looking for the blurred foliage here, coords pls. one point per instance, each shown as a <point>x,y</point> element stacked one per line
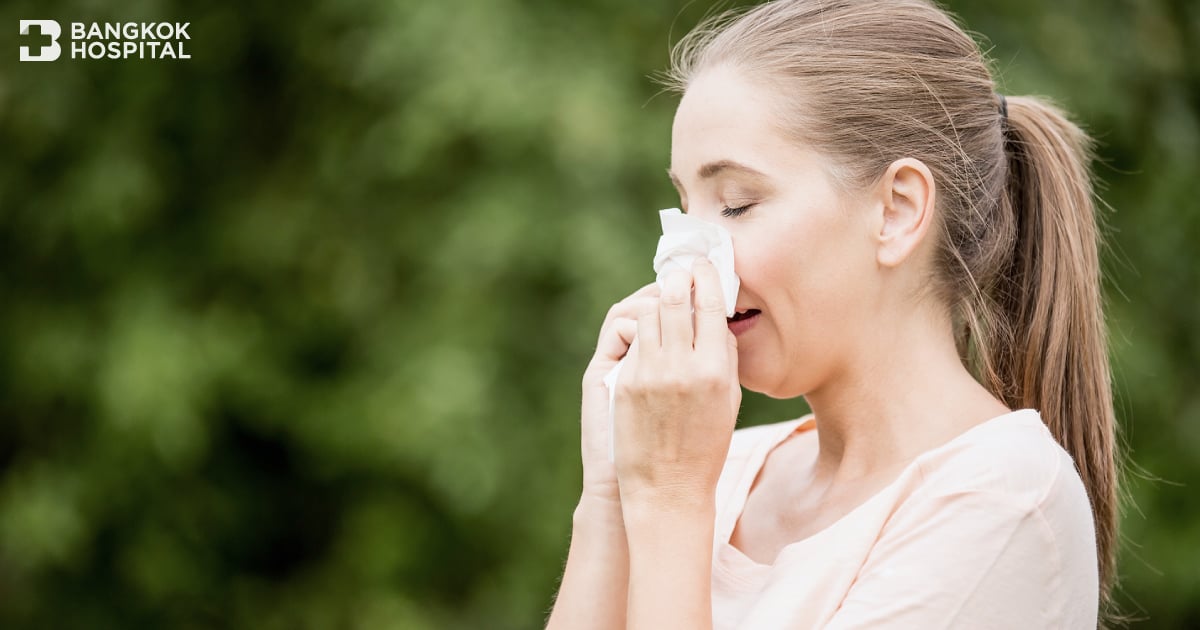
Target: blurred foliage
<point>291,333</point>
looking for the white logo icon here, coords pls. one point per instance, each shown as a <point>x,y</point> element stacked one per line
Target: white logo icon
<point>42,51</point>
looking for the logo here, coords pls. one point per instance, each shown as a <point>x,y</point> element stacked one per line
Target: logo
<point>107,40</point>
<point>45,51</point>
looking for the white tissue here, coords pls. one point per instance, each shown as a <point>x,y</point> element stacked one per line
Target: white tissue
<point>687,238</point>
<point>684,240</point>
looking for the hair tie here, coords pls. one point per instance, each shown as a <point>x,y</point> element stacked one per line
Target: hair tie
<point>1003,108</point>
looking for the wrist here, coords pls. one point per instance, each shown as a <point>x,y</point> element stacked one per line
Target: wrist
<point>668,499</point>
<point>675,523</point>
<point>653,506</point>
<point>600,487</point>
<point>600,509</point>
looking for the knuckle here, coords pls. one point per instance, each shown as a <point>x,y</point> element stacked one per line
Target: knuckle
<point>627,308</point>
<point>612,313</point>
<point>641,388</point>
<point>674,384</point>
<point>655,382</point>
<point>680,376</point>
<point>710,375</point>
<point>710,303</point>
<point>643,305</point>
<point>674,299</point>
<point>648,289</point>
<point>711,380</point>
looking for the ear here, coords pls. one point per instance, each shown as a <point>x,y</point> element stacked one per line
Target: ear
<point>907,195</point>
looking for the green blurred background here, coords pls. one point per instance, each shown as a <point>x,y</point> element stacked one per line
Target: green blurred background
<point>291,333</point>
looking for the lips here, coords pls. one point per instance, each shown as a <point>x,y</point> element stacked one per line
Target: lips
<point>746,314</point>
<point>743,321</point>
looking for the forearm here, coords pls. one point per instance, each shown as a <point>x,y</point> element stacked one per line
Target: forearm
<point>595,582</point>
<point>670,565</point>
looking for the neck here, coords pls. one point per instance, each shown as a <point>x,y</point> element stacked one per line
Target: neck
<point>903,392</point>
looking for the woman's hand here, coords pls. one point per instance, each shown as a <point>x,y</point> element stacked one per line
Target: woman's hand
<point>616,334</point>
<point>595,586</point>
<point>678,394</point>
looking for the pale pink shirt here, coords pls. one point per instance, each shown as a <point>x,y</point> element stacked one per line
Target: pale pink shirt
<point>991,530</point>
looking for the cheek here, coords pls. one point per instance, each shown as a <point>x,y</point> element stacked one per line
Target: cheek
<point>775,279</point>
<point>802,280</point>
<point>763,267</point>
<point>773,263</point>
<point>796,281</point>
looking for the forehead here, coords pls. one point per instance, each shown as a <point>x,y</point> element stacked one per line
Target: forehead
<point>722,116</point>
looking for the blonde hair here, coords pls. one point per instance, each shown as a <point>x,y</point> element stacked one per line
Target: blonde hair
<point>1017,257</point>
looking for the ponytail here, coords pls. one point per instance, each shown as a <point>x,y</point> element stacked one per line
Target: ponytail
<point>1046,348</point>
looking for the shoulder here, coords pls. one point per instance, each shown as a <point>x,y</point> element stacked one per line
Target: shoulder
<point>1011,467</point>
<point>1013,457</point>
<point>1004,504</point>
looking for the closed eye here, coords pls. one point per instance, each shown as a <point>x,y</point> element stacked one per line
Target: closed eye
<point>734,212</point>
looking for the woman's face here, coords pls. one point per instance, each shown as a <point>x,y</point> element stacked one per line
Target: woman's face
<point>802,249</point>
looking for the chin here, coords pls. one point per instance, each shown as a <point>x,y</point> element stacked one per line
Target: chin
<point>760,383</point>
<point>769,383</point>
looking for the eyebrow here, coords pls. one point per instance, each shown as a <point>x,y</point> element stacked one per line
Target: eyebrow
<point>712,169</point>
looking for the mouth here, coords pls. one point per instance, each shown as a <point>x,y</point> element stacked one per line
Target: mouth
<point>740,315</point>
<point>742,321</point>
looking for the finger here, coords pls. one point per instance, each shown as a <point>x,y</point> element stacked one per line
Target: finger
<point>635,349</point>
<point>632,308</point>
<point>711,325</point>
<point>617,428</point>
<point>648,291</point>
<point>616,338</point>
<point>675,312</point>
<point>651,289</point>
<point>626,330</point>
<point>648,332</point>
<point>632,359</point>
<point>629,308</point>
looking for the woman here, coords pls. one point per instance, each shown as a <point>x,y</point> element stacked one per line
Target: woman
<point>918,259</point>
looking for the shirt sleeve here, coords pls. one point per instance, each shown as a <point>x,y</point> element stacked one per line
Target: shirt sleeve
<point>964,559</point>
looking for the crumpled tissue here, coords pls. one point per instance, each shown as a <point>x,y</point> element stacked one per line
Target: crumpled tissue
<point>684,239</point>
